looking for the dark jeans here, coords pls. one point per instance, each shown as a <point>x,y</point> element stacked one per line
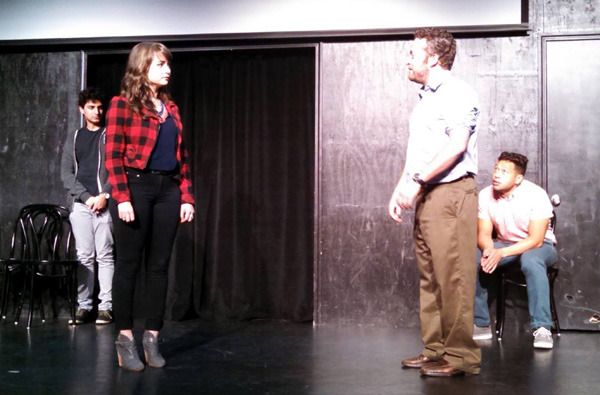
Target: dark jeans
<point>156,204</point>
<point>534,265</point>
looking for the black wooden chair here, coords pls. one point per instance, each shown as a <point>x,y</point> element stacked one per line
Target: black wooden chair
<point>48,259</point>
<point>13,265</point>
<point>511,275</point>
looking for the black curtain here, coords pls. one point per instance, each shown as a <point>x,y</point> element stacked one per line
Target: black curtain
<point>249,124</point>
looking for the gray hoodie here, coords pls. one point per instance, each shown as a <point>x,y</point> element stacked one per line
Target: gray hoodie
<point>68,168</point>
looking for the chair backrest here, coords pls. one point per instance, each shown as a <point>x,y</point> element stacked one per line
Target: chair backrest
<point>42,233</point>
<point>19,242</point>
<point>555,200</point>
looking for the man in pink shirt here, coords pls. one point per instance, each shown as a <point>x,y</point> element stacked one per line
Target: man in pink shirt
<point>519,212</point>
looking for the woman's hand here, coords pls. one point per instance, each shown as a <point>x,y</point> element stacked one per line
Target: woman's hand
<point>186,212</point>
<point>126,212</point>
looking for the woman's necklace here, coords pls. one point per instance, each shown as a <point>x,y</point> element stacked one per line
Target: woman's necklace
<point>161,110</point>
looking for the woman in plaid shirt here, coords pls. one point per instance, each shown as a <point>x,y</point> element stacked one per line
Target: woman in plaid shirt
<point>151,194</point>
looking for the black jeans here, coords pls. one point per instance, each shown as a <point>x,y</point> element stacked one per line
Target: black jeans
<point>156,201</point>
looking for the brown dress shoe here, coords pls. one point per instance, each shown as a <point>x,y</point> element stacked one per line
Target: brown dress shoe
<point>420,361</point>
<point>441,370</point>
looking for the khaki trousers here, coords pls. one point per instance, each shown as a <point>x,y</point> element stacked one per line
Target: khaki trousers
<point>445,244</point>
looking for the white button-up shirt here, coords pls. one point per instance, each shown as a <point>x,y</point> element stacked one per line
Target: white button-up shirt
<point>449,105</point>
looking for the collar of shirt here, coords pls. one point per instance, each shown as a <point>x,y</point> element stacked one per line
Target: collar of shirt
<point>434,83</point>
<point>513,194</point>
<point>146,113</point>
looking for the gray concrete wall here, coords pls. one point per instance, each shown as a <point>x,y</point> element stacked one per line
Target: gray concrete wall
<point>38,104</point>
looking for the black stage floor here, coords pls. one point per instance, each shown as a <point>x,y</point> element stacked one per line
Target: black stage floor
<point>274,357</point>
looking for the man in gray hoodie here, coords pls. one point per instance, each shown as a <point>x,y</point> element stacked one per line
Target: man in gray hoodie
<point>85,177</point>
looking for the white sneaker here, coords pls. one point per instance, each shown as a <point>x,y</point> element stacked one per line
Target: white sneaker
<point>542,338</point>
<point>482,332</point>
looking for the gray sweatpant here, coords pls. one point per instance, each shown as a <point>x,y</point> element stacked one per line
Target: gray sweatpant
<point>94,243</point>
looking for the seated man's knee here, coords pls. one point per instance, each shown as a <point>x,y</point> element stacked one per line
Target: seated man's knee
<point>531,263</point>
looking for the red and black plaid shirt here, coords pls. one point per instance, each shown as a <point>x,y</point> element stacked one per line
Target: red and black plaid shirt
<point>130,139</point>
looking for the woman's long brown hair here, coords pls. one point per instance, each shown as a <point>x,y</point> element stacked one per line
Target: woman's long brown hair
<point>135,85</point>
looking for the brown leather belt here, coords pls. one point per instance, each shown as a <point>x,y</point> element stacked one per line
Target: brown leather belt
<point>468,175</point>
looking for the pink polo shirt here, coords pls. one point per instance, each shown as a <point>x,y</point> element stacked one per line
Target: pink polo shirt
<point>511,215</point>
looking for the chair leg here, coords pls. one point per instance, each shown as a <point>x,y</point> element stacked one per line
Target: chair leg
<point>500,306</point>
<point>21,298</point>
<point>41,304</point>
<point>53,301</point>
<point>554,315</point>
<point>5,293</point>
<point>31,298</point>
<point>73,291</point>
<point>553,312</point>
<point>71,282</point>
<point>19,309</point>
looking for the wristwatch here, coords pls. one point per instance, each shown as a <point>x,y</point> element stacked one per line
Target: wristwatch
<point>417,178</point>
<point>106,195</point>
